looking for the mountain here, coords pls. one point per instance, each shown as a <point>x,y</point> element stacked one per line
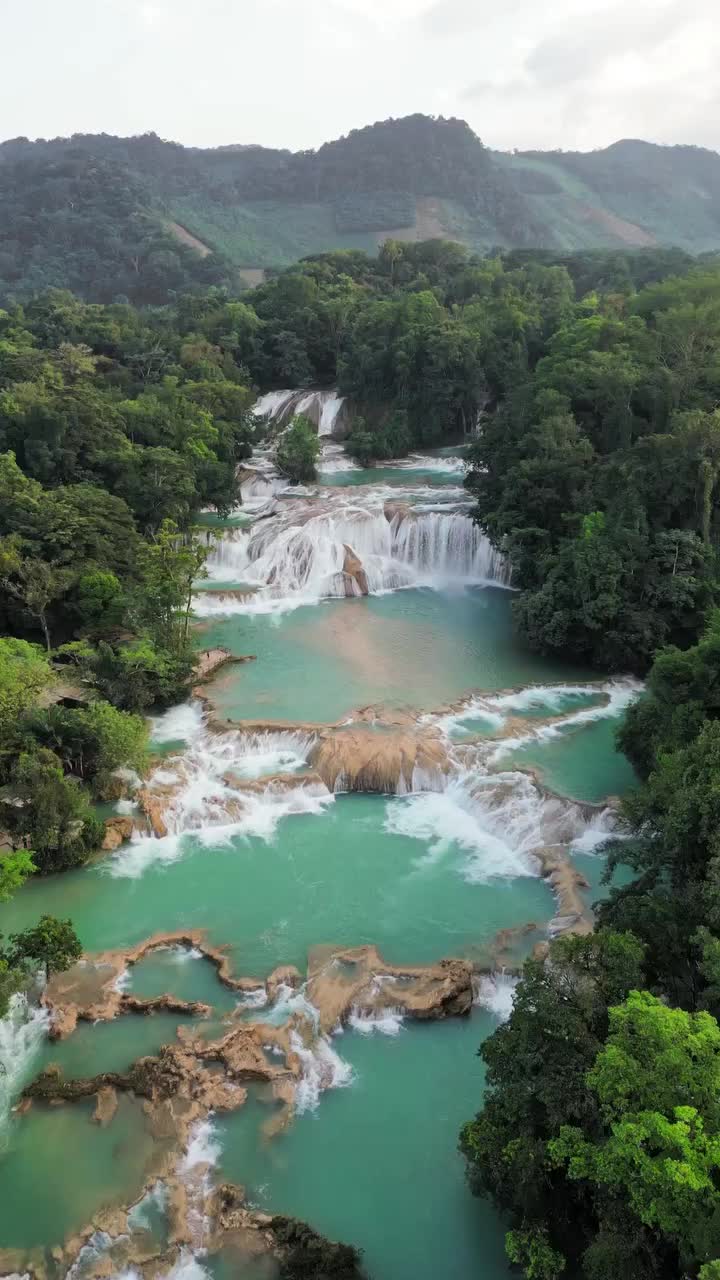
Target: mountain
<point>141,217</point>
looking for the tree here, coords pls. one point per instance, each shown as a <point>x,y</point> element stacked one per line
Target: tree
<point>140,675</point>
<point>298,450</point>
<point>51,942</point>
<point>48,813</point>
<point>656,1080</point>
<point>24,673</point>
<point>170,568</point>
<point>14,870</point>
<point>35,583</point>
<point>531,1251</point>
<point>92,742</point>
<point>537,1064</point>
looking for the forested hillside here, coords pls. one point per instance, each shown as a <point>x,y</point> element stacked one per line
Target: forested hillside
<point>115,218</point>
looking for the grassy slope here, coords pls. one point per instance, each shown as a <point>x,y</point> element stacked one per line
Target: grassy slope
<point>268,233</point>
<point>681,217</point>
<point>573,216</point>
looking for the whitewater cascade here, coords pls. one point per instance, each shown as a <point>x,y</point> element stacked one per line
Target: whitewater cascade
<point>22,1032</point>
<point>218,786</point>
<point>348,545</point>
<point>324,408</point>
<point>501,820</point>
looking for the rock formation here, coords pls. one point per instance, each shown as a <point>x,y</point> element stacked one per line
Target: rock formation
<point>356,583</point>
<point>358,980</point>
<point>359,757</point>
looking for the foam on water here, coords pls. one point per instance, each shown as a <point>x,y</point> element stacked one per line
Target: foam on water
<point>619,694</point>
<point>22,1033</point>
<point>492,710</point>
<point>495,819</point>
<point>322,1067</point>
<point>154,1200</point>
<point>289,1002</point>
<point>203,1148</point>
<point>201,790</point>
<point>188,1267</point>
<point>601,828</point>
<point>96,1248</point>
<point>334,459</point>
<point>425,462</point>
<point>496,993</point>
<point>123,982</point>
<point>255,999</point>
<point>182,723</point>
<point>387,1022</point>
<point>496,839</point>
<point>260,817</point>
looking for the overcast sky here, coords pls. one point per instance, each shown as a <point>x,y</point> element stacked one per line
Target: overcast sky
<point>294,73</point>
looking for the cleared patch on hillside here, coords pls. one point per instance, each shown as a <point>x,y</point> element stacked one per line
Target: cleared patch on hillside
<point>625,231</point>
<point>187,238</point>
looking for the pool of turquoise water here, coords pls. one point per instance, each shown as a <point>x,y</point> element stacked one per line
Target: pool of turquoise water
<point>338,877</point>
<point>377,1163</point>
<point>417,648</point>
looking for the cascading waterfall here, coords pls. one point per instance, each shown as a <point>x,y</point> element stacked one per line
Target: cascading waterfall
<point>449,546</point>
<point>496,993</point>
<point>22,1032</point>
<point>311,551</point>
<point>214,789</point>
<point>497,820</point>
<point>322,407</point>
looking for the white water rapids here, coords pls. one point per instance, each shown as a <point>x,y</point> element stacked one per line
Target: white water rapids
<point>322,407</point>
<point>22,1032</point>
<point>346,544</point>
<point>220,786</point>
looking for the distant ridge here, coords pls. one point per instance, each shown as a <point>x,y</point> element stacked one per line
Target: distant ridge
<point>110,216</point>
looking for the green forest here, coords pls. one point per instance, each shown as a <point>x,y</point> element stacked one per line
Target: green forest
<point>588,386</point>
<point>108,217</point>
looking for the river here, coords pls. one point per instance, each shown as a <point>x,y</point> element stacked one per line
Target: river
<point>489,754</point>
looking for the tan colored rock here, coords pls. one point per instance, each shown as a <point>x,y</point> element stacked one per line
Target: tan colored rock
<point>119,829</point>
<point>359,980</point>
<point>285,974</point>
<point>165,1003</point>
<point>155,807</point>
<point>354,572</point>
<point>359,757</point>
<point>573,915</point>
<point>105,1106</point>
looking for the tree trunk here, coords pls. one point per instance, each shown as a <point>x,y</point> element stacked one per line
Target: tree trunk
<point>708,482</point>
<point>46,633</point>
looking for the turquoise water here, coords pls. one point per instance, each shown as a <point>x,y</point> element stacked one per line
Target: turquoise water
<point>376,1163</point>
<point>337,877</point>
<point>417,648</point>
<point>581,763</point>
<point>110,1046</point>
<point>61,1168</point>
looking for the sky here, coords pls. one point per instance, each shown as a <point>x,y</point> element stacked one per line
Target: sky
<point>574,74</point>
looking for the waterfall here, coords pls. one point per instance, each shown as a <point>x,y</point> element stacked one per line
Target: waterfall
<point>449,546</point>
<point>322,407</point>
<point>228,560</point>
<point>22,1032</point>
<point>271,405</point>
<point>220,785</point>
<point>348,545</point>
